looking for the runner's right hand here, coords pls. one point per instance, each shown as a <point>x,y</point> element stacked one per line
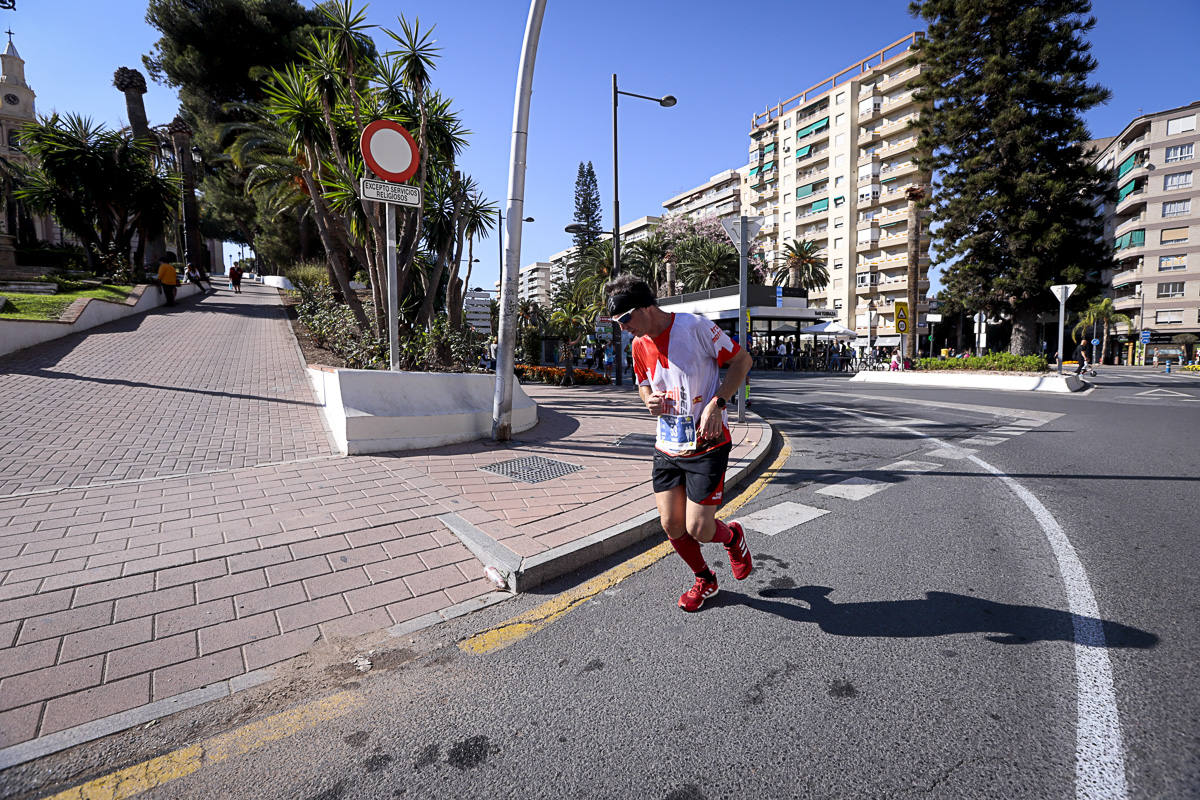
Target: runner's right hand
<point>656,403</point>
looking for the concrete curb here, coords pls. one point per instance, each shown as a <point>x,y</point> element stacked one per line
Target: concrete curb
<point>524,574</point>
<point>971,380</point>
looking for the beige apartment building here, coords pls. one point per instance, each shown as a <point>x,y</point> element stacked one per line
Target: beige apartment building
<point>831,165</point>
<point>1154,226</point>
<point>720,198</point>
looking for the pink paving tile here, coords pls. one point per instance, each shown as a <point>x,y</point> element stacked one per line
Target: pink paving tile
<point>42,684</point>
<point>240,583</point>
<point>394,568</point>
<point>434,580</point>
<point>110,590</point>
<point>190,618</point>
<point>197,672</point>
<point>280,648</point>
<point>377,595</point>
<point>101,701</point>
<point>358,624</point>
<point>19,724</point>
<point>266,599</point>
<point>416,606</point>
<point>142,605</point>
<point>61,623</point>
<point>238,632</point>
<point>337,582</point>
<point>28,657</point>
<point>106,638</point>
<point>312,613</point>
<point>466,591</point>
<point>144,657</point>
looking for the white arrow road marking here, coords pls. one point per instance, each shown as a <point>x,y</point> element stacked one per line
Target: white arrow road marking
<point>779,517</point>
<point>854,488</point>
<point>1162,393</point>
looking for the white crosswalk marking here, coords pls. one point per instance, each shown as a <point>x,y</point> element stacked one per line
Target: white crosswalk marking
<point>911,466</point>
<point>950,451</point>
<point>984,441</point>
<point>779,517</point>
<point>854,488</point>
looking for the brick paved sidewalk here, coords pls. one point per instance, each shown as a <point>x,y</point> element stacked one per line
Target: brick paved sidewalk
<point>115,595</point>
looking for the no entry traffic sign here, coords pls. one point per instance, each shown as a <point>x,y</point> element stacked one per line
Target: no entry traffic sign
<point>389,150</point>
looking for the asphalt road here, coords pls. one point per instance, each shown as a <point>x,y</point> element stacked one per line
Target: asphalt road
<point>908,632</point>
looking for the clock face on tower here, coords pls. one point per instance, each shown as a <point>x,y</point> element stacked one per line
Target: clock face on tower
<point>12,99</point>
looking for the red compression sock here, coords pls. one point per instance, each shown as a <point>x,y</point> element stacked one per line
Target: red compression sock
<point>724,534</point>
<point>689,550</point>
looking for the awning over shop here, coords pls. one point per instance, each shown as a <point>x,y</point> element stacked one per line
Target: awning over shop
<point>887,341</point>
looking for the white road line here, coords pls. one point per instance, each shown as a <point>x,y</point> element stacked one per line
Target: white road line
<point>911,466</point>
<point>948,451</point>
<point>985,441</point>
<point>1099,745</point>
<point>854,488</point>
<point>779,517</point>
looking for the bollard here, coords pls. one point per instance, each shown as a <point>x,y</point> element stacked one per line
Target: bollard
<point>1168,366</point>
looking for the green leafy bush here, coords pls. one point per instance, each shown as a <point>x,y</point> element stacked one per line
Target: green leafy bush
<point>530,346</point>
<point>997,362</point>
<point>308,273</point>
<point>556,375</point>
<point>332,325</point>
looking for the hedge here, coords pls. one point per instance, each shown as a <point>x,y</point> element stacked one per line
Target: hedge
<point>556,375</point>
<point>996,362</point>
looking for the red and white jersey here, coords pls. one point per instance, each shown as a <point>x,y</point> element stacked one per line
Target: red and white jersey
<point>684,363</point>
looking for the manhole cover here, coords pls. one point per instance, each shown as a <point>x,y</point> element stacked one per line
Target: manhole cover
<point>532,469</point>
<point>634,440</point>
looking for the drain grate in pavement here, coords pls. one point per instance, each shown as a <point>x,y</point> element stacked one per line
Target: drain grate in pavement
<point>532,469</point>
<point>634,440</point>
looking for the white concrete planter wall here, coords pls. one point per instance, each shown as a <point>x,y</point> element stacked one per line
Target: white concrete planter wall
<point>16,334</point>
<point>374,411</point>
<point>975,380</point>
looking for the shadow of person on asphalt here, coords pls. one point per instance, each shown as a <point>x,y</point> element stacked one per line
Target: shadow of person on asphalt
<point>940,614</point>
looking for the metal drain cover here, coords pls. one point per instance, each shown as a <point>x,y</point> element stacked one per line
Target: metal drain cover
<point>634,440</point>
<point>532,469</point>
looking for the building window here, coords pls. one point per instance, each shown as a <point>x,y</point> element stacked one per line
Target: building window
<point>838,180</point>
<point>837,283</point>
<point>1172,263</point>
<point>839,222</point>
<point>839,119</point>
<point>1173,235</point>
<point>837,303</point>
<point>787,123</point>
<point>837,243</point>
<point>838,202</point>
<point>1180,152</point>
<point>1169,317</point>
<point>1173,289</point>
<point>839,140</point>
<point>1177,208</point>
<point>838,263</point>
<point>840,99</point>
<point>1181,125</point>
<point>839,162</point>
<point>1177,180</point>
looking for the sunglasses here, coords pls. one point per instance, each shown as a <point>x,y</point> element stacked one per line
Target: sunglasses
<point>624,318</point>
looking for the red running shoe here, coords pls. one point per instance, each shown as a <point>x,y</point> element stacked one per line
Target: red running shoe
<point>693,598</point>
<point>739,554</point>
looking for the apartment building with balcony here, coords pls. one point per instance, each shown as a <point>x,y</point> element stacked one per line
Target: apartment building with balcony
<point>533,283</point>
<point>831,165</point>
<point>719,198</point>
<point>1154,224</point>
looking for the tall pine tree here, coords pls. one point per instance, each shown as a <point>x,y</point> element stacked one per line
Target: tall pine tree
<point>587,210</point>
<point>1007,83</point>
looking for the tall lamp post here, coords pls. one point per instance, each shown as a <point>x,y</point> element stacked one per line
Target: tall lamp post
<point>500,230</point>
<point>666,101</point>
<point>187,158</point>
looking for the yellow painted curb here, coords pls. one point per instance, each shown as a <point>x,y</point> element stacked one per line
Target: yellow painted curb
<point>147,775</point>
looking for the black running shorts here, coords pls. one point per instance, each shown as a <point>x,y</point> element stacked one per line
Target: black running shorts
<point>703,475</point>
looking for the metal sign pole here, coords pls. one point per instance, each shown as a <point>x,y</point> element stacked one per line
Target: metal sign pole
<point>393,289</point>
<point>1062,308</point>
<point>743,333</point>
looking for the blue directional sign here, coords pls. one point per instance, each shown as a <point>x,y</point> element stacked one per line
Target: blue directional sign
<point>1145,337</point>
<point>1095,342</point>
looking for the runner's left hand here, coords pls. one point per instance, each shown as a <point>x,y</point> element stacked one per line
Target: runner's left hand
<point>711,425</point>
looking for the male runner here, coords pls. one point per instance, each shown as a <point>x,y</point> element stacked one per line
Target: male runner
<point>677,360</point>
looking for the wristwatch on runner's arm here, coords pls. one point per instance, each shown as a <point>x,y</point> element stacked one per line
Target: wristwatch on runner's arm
<point>720,402</point>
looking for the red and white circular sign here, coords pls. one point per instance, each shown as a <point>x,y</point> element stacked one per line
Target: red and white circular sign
<point>389,150</point>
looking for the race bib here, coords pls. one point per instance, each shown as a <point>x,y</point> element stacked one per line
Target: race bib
<point>677,433</point>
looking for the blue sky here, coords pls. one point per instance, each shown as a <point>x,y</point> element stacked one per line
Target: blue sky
<point>723,61</point>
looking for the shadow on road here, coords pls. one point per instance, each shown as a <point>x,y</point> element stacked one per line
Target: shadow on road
<point>940,614</point>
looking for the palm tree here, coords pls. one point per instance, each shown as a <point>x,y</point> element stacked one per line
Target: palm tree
<point>914,195</point>
<point>1101,313</point>
<point>648,259</point>
<point>573,318</point>
<point>529,313</point>
<point>101,185</point>
<point>802,267</point>
<point>705,264</point>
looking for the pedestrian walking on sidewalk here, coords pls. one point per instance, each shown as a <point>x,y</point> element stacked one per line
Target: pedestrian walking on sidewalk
<point>168,278</point>
<point>677,360</point>
<point>235,279</point>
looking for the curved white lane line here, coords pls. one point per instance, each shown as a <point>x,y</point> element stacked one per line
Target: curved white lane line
<point>1099,746</point>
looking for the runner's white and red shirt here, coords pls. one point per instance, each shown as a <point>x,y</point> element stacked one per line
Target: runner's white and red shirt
<point>684,363</point>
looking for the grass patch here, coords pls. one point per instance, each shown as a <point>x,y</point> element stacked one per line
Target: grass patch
<point>50,306</point>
